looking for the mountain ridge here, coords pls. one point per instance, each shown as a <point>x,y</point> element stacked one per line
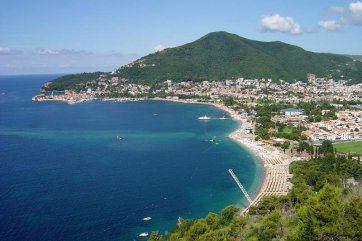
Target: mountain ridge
<point>221,55</point>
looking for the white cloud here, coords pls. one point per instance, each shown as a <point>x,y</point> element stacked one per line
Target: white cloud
<point>356,8</point>
<point>159,47</point>
<point>277,23</point>
<point>331,25</point>
<point>46,52</point>
<point>53,52</point>
<point>355,15</point>
<point>352,16</point>
<point>336,9</point>
<point>7,51</point>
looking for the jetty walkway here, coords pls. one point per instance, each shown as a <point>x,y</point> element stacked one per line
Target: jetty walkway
<point>276,167</point>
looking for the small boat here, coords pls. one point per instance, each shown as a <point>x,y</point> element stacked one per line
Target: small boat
<point>214,140</point>
<point>143,234</point>
<point>147,219</point>
<point>204,118</point>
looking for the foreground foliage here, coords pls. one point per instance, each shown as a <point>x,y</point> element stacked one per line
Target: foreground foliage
<point>318,207</point>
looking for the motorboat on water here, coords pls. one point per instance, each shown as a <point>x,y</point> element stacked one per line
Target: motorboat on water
<point>143,234</point>
<point>204,118</point>
<point>147,218</point>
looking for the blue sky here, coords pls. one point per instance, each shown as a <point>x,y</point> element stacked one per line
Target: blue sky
<point>63,36</point>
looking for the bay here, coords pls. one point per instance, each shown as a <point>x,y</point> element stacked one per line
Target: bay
<point>64,174</point>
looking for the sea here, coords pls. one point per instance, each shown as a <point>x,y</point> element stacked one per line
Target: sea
<point>94,170</point>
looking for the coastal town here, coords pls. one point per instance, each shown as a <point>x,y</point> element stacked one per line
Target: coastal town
<point>337,119</point>
<point>243,95</point>
<point>315,89</point>
<point>181,120</point>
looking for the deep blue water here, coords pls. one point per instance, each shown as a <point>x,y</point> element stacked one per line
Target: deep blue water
<point>65,176</point>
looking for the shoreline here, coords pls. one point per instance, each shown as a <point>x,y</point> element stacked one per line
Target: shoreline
<point>274,163</point>
<point>275,166</point>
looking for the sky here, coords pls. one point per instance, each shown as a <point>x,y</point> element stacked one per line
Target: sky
<point>70,36</point>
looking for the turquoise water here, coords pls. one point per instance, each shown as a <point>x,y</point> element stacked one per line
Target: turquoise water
<point>64,175</point>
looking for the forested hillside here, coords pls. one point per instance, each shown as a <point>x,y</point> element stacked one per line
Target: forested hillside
<point>221,56</point>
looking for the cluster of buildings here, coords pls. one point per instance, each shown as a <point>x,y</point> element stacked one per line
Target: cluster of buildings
<point>348,126</point>
<point>71,97</point>
<point>292,116</point>
<point>106,85</point>
<point>316,89</point>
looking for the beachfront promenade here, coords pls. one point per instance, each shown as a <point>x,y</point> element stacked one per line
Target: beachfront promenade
<point>276,166</point>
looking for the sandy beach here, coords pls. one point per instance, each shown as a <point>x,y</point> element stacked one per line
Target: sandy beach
<point>275,162</point>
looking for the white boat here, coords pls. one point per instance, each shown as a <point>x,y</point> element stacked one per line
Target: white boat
<point>147,219</point>
<point>143,234</point>
<point>204,118</point>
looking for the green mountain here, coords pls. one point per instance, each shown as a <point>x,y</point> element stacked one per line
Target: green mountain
<point>222,55</point>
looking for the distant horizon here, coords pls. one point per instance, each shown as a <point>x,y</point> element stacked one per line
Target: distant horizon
<point>102,36</point>
<point>110,70</point>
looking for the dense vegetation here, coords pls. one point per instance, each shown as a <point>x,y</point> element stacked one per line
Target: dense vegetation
<point>72,81</point>
<point>320,206</point>
<point>221,55</point>
<point>314,111</point>
<point>266,128</point>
